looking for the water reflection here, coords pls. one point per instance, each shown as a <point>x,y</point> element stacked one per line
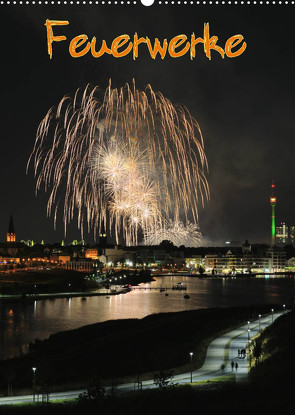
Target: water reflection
<point>22,323</point>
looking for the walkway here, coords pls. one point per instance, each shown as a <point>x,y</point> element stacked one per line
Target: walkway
<point>222,351</point>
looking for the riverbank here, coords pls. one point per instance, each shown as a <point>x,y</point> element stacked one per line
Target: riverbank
<point>42,281</point>
<point>219,275</point>
<point>30,286</point>
<point>119,351</point>
<point>50,296</point>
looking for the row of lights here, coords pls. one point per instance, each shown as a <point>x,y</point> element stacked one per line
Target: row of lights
<point>259,317</point>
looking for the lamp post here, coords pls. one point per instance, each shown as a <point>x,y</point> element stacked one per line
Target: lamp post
<point>284,308</point>
<point>272,310</point>
<point>259,316</point>
<point>34,382</point>
<point>248,324</point>
<point>191,356</point>
<point>248,334</point>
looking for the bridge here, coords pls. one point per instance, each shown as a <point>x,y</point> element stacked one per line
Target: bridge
<point>177,287</point>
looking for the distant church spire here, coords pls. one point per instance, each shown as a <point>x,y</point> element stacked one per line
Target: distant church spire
<point>10,237</point>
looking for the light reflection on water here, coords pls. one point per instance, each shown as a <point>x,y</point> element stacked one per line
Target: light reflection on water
<point>22,323</point>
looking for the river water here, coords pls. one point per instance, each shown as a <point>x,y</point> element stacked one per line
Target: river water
<point>22,323</point>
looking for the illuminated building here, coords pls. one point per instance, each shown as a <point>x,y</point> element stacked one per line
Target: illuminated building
<point>273,201</point>
<point>282,233</point>
<point>61,258</point>
<point>277,260</point>
<point>10,237</point>
<point>194,262</point>
<point>272,260</point>
<point>81,265</point>
<point>8,263</point>
<point>292,234</point>
<point>285,234</point>
<point>111,256</point>
<point>291,264</point>
<point>91,253</point>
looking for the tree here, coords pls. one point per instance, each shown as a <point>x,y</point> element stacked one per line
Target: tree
<point>168,246</point>
<point>257,350</point>
<point>164,379</point>
<point>94,393</point>
<point>201,270</point>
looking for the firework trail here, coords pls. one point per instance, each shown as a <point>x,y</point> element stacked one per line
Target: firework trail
<point>122,157</point>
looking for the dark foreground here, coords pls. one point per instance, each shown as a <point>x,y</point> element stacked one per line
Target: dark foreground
<point>248,399</point>
<point>270,389</point>
<point>123,350</point>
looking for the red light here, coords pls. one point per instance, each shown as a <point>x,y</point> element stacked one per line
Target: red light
<point>273,186</point>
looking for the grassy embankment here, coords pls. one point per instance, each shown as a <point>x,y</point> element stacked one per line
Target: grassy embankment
<point>122,350</point>
<point>276,363</point>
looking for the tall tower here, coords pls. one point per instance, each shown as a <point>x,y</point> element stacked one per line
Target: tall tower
<point>10,237</point>
<point>273,201</point>
<point>102,236</point>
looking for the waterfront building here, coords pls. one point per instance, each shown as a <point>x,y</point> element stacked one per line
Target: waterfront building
<point>193,262</point>
<point>291,264</point>
<point>273,260</point>
<point>81,265</point>
<point>111,256</point>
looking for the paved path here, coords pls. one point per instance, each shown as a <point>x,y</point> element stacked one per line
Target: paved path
<point>222,351</point>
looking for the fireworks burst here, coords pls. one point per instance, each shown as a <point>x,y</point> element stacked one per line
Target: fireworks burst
<point>124,157</point>
<point>177,232</point>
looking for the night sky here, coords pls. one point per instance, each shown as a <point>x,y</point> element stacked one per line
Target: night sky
<point>245,106</point>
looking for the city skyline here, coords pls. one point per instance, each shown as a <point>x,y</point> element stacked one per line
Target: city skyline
<point>244,107</point>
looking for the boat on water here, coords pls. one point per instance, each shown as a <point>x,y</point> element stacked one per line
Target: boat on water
<point>179,286</point>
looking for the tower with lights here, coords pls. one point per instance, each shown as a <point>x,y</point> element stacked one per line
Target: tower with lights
<point>10,236</point>
<point>273,201</point>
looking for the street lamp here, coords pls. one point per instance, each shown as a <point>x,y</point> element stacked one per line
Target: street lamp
<point>34,381</point>
<point>248,325</point>
<point>259,316</point>
<point>191,355</point>
<point>284,308</point>
<point>248,334</point>
<point>272,310</point>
